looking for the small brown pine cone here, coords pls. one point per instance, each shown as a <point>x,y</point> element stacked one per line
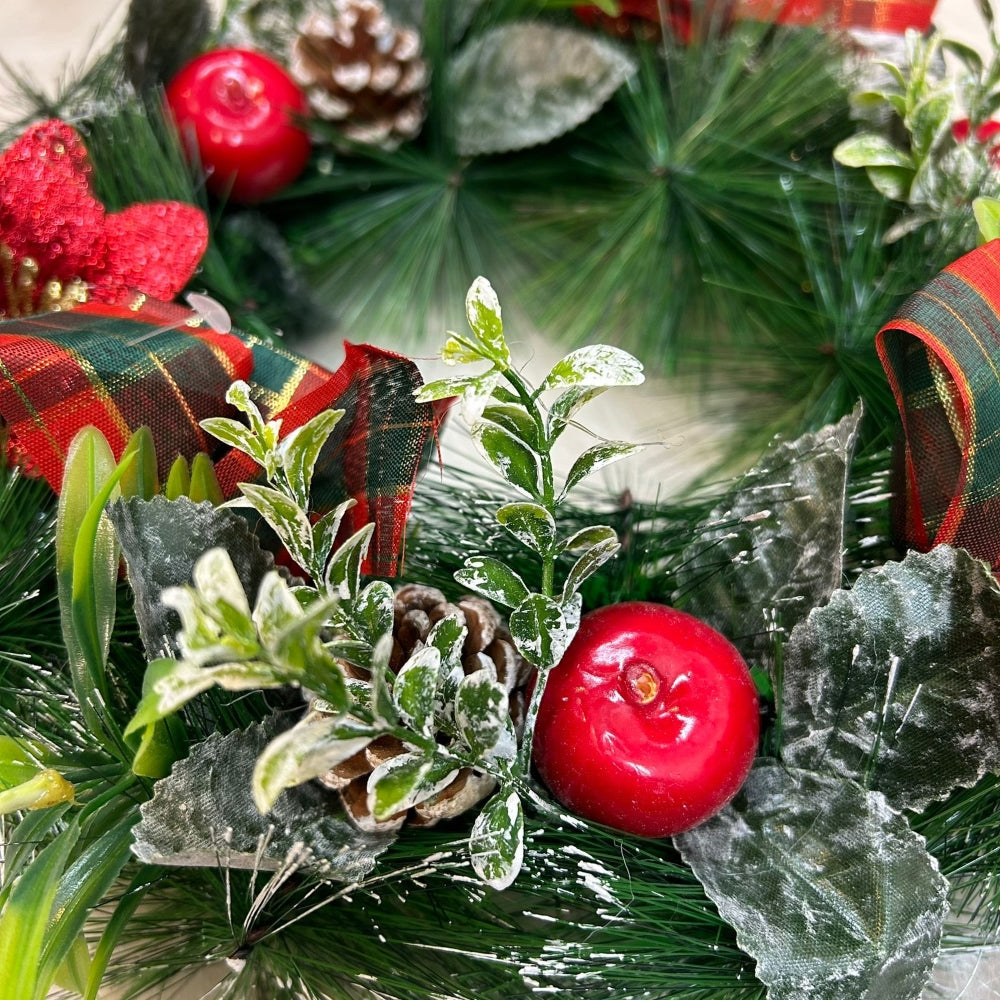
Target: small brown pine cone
<point>362,70</point>
<point>417,609</point>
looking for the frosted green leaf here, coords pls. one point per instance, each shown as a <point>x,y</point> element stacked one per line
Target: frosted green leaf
<point>299,451</point>
<point>343,571</point>
<point>540,631</point>
<point>372,611</point>
<point>458,351</point>
<point>287,518</point>
<point>203,815</point>
<point>481,711</point>
<point>516,462</point>
<point>306,751</point>
<point>415,689</point>
<point>326,529</point>
<point>216,580</point>
<point>496,844</point>
<point>773,550</point>
<point>406,780</point>
<point>493,579</point>
<point>896,682</point>
<point>514,419</point>
<point>828,888</point>
<point>597,457</point>
<point>276,608</point>
<point>567,405</point>
<point>474,392</point>
<point>522,84</point>
<point>595,366</point>
<point>240,395</point>
<point>870,149</point>
<point>482,310</point>
<point>930,120</point>
<point>587,537</point>
<point>530,523</point>
<point>588,564</point>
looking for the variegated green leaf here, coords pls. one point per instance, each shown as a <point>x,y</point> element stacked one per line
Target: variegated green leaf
<point>496,844</point>
<point>540,631</point>
<point>415,689</point>
<point>513,459</point>
<point>568,404</point>
<point>276,608</point>
<point>458,350</point>
<point>236,435</point>
<point>588,564</point>
<point>382,704</point>
<point>306,751</point>
<point>326,529</point>
<point>597,365</point>
<point>482,309</point>
<point>870,149</point>
<point>480,711</point>
<point>492,579</point>
<point>343,571</point>
<point>587,537</point>
<point>299,451</point>
<point>287,518</point>
<point>514,419</point>
<point>371,612</point>
<point>530,523</point>
<point>596,458</point>
<point>405,780</point>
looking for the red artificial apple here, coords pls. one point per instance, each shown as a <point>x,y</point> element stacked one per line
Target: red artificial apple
<point>238,113</point>
<point>649,724</point>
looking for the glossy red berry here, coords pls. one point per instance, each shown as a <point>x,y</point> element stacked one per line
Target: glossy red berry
<point>650,722</point>
<point>238,113</point>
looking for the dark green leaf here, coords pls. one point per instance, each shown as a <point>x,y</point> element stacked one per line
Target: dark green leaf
<point>588,564</point>
<point>896,682</point>
<point>567,405</point>
<point>587,537</point>
<point>516,462</point>
<point>828,888</point>
<point>496,844</point>
<point>514,419</point>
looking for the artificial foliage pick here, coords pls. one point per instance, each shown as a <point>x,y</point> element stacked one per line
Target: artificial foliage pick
<point>58,245</point>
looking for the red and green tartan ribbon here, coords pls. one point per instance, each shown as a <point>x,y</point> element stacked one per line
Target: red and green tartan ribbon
<point>890,16</point>
<point>105,366</point>
<point>942,356</point>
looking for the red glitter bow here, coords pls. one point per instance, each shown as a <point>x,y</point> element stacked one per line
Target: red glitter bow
<point>59,246</point>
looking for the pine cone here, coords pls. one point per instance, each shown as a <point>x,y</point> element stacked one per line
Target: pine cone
<point>417,609</point>
<point>360,69</point>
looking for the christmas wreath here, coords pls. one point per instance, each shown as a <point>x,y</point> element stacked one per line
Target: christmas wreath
<point>292,701</point>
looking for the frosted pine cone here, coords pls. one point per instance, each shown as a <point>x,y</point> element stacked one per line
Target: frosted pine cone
<point>417,609</point>
<point>360,69</point>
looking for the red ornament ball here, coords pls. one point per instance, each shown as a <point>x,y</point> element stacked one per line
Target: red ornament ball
<point>650,722</point>
<point>236,112</point>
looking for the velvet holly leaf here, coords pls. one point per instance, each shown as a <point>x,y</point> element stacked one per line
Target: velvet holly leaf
<point>203,814</point>
<point>521,85</point>
<point>896,682</point>
<point>773,550</point>
<point>162,540</point>
<point>827,887</point>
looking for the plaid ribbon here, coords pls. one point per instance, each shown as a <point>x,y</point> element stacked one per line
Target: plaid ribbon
<point>942,356</point>
<point>100,365</point>
<point>891,16</point>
